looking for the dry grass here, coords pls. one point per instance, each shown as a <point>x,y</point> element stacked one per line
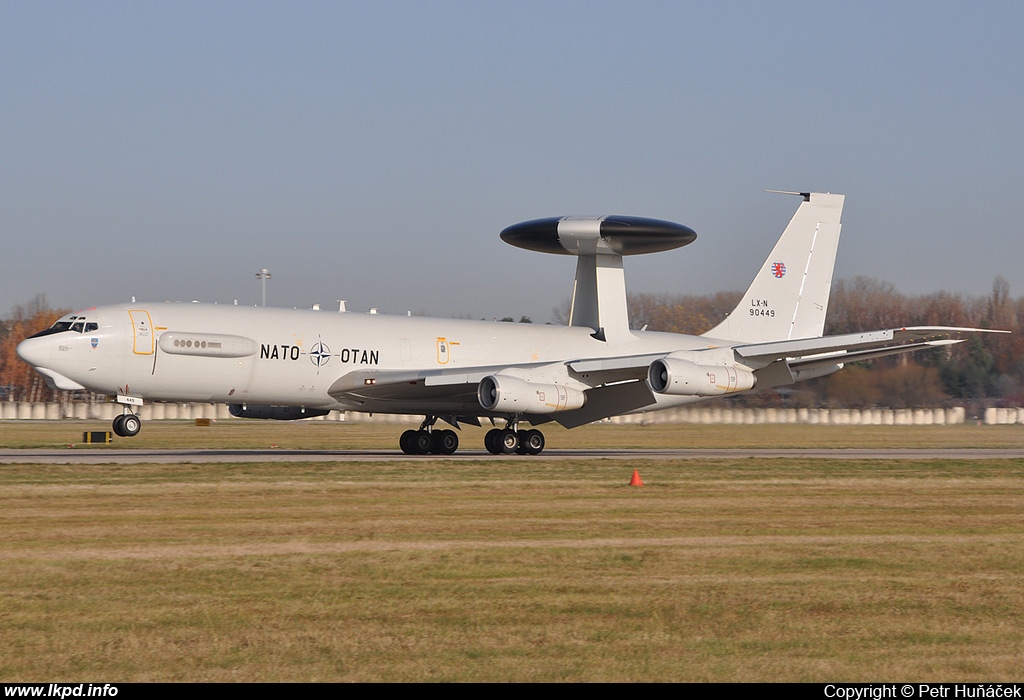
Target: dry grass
<point>322,435</point>
<point>521,570</point>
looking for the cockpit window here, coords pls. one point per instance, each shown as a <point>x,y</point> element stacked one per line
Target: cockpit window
<point>58,327</point>
<point>77,324</point>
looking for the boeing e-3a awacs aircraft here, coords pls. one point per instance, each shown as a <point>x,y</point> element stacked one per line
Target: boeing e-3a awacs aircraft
<point>286,364</point>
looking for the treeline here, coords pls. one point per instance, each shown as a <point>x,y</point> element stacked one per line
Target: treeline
<point>18,381</point>
<point>988,369</point>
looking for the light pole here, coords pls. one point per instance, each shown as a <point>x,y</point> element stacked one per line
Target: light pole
<point>263,275</point>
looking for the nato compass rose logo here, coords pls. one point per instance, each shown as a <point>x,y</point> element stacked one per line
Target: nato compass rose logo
<point>779,269</point>
<point>320,354</point>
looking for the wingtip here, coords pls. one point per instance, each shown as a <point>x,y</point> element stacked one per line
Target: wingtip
<point>805,195</point>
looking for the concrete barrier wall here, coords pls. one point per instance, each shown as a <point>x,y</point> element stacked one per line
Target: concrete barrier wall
<point>811,416</point>
<point>1003,416</point>
<point>704,415</point>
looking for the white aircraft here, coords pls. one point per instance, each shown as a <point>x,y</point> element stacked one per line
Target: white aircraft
<point>287,364</point>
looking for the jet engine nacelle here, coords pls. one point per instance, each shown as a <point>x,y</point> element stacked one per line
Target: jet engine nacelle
<point>241,410</point>
<point>678,377</point>
<point>503,393</point>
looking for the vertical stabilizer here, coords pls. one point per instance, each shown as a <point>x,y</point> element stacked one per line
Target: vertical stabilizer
<point>789,297</point>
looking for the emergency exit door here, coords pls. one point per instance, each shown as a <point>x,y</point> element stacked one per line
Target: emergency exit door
<point>142,332</point>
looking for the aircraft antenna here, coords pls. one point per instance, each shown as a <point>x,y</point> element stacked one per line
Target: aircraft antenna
<point>263,275</point>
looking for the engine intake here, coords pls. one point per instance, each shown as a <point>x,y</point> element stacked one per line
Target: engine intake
<point>678,377</point>
<point>514,395</point>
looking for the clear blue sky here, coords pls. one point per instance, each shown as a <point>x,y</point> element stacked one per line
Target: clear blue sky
<point>372,151</point>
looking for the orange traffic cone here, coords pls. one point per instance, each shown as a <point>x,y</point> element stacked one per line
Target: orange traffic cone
<point>635,481</point>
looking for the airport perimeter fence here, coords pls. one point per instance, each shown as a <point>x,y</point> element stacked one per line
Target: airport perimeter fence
<point>12,410</point>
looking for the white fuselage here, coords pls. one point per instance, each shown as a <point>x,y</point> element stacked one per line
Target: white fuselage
<point>235,354</point>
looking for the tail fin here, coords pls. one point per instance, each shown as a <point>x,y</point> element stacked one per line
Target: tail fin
<point>789,297</point>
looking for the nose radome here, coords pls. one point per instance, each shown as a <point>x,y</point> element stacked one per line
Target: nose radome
<point>35,351</point>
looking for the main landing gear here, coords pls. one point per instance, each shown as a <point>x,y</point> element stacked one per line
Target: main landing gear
<point>513,440</point>
<point>426,440</point>
<point>509,440</point>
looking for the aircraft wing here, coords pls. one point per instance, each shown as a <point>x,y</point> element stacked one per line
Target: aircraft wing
<point>608,370</point>
<point>369,384</point>
<point>777,363</point>
<point>848,347</point>
<point>452,392</point>
<point>618,383</point>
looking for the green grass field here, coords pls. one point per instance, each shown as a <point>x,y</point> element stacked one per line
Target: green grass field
<point>514,570</point>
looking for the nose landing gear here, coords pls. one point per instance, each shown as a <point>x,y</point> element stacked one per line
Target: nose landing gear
<point>128,424</point>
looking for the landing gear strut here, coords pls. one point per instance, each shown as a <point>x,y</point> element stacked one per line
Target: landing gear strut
<point>426,440</point>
